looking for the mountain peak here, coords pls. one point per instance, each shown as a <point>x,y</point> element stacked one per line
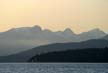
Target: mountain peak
<point>36,28</point>
<point>68,31</point>
<point>96,30</point>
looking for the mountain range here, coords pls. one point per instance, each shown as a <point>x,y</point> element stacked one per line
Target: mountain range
<point>58,47</point>
<point>21,39</point>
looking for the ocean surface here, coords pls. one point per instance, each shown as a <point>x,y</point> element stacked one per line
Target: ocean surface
<point>53,68</point>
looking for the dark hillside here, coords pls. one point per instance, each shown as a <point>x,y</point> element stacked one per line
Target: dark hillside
<point>80,55</point>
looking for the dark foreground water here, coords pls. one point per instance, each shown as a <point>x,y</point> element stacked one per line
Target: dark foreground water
<point>53,68</point>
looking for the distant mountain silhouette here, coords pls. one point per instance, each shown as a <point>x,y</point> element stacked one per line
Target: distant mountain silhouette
<point>69,34</point>
<point>66,33</point>
<point>26,55</point>
<point>88,55</point>
<point>21,39</point>
<point>92,34</point>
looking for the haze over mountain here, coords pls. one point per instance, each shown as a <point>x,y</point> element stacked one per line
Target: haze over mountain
<point>105,37</point>
<point>20,39</point>
<point>26,55</point>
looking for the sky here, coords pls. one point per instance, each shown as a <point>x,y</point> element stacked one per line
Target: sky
<point>56,15</point>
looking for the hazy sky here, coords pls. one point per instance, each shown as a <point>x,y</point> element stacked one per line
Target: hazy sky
<point>79,15</point>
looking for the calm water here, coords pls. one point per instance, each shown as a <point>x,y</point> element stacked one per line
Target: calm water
<point>53,68</point>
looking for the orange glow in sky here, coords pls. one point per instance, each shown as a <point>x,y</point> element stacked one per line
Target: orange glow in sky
<point>79,15</point>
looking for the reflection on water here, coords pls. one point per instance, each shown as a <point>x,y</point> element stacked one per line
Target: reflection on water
<point>53,68</point>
